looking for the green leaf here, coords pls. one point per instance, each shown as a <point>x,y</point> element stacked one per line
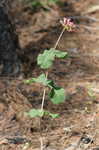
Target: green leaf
<point>60,54</point>
<point>57,95</point>
<point>41,79</point>
<point>46,59</point>
<point>53,115</point>
<point>35,113</point>
<point>40,113</point>
<point>47,113</point>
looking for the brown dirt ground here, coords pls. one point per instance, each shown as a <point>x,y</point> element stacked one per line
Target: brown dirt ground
<point>79,115</point>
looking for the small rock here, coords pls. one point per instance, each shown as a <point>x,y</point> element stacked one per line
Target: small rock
<point>86,140</point>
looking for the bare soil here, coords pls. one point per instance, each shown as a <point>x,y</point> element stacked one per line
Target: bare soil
<point>77,128</point>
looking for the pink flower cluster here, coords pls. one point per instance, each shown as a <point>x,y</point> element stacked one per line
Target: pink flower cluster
<point>68,24</point>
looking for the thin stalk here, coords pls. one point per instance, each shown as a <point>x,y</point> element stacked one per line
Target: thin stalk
<point>42,107</point>
<point>59,38</point>
<point>43,99</point>
<point>44,93</point>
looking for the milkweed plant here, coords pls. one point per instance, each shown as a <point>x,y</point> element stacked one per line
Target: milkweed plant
<point>45,61</point>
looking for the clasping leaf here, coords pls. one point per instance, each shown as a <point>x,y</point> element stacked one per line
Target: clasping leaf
<point>46,59</point>
<point>41,79</point>
<point>57,95</point>
<point>40,113</point>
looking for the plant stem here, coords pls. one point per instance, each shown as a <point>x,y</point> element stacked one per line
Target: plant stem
<point>59,38</point>
<point>43,99</point>
<point>44,92</point>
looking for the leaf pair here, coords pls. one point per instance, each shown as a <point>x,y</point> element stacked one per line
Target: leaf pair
<point>57,94</point>
<point>46,59</point>
<point>40,113</point>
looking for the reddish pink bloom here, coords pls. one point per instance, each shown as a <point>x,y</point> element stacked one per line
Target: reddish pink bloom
<point>68,24</point>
